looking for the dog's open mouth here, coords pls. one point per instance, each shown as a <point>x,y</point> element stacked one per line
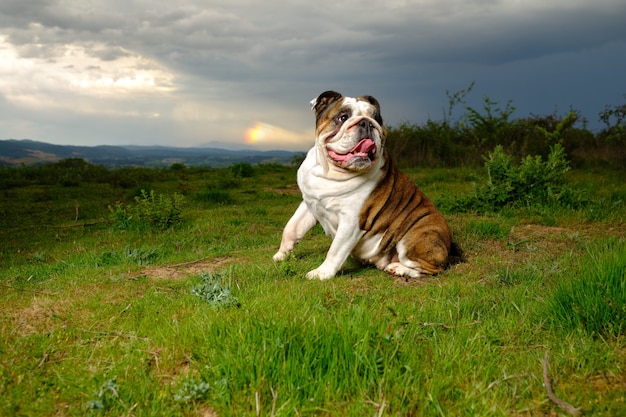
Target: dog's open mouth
<point>365,149</point>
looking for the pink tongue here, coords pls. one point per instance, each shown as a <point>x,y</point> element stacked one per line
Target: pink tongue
<point>365,146</point>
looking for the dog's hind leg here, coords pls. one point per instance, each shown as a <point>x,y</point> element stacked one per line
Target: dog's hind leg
<point>402,265</point>
<point>398,269</point>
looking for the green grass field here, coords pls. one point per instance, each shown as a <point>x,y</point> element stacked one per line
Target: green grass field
<point>120,318</point>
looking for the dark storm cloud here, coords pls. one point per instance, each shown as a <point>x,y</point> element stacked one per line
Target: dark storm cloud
<point>259,60</point>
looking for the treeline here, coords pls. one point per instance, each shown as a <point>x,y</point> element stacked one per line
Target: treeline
<point>72,172</point>
<point>75,171</point>
<point>464,141</point>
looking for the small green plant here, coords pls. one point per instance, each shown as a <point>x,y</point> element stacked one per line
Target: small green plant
<point>105,396</point>
<point>192,390</point>
<point>141,256</point>
<point>151,211</point>
<point>594,299</point>
<point>214,291</point>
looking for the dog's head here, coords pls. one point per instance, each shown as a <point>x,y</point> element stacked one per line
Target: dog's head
<point>349,131</point>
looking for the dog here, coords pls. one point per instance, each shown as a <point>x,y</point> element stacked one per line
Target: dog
<point>352,187</point>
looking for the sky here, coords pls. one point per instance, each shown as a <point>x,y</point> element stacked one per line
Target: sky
<point>237,73</point>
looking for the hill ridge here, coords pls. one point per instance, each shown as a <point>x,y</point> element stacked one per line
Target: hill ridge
<point>17,152</point>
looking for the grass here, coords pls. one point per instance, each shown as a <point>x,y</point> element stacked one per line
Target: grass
<point>595,298</point>
<point>102,321</point>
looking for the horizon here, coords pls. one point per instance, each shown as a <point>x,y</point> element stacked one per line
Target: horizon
<point>207,145</point>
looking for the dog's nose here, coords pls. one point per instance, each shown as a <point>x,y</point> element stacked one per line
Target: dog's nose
<point>366,127</point>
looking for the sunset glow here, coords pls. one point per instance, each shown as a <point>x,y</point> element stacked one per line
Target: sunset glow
<point>257,133</point>
<point>268,136</point>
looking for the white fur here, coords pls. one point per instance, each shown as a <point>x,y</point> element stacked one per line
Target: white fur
<point>405,267</point>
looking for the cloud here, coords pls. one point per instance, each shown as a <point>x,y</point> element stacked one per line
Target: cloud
<point>209,72</point>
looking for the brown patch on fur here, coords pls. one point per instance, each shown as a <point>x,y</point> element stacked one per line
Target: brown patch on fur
<point>323,101</point>
<point>400,210</point>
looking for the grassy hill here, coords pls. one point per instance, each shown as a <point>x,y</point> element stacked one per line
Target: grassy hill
<point>166,302</point>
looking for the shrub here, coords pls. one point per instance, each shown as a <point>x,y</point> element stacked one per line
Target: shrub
<point>157,212</point>
<point>594,299</point>
<point>533,181</point>
<point>614,117</point>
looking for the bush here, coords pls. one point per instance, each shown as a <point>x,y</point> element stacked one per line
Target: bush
<point>157,212</point>
<point>532,182</point>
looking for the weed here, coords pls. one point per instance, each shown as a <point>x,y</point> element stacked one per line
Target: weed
<point>214,291</point>
<point>141,256</point>
<point>192,390</point>
<point>105,396</point>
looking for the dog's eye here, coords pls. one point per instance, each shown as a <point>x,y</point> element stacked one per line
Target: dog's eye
<point>342,118</point>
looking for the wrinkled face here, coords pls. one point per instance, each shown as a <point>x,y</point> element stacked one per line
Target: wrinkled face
<point>349,131</point>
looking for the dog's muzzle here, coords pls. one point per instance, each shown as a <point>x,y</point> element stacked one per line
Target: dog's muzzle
<point>361,157</point>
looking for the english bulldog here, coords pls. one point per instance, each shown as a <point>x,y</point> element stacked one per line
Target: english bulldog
<point>352,187</point>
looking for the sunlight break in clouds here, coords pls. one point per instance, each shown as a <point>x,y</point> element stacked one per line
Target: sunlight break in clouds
<point>266,135</point>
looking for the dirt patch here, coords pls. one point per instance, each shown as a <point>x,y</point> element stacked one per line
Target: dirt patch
<point>45,314</point>
<point>206,411</point>
<point>185,269</point>
<point>534,231</point>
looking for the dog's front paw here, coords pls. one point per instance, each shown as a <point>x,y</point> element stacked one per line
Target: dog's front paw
<point>280,256</point>
<point>320,274</point>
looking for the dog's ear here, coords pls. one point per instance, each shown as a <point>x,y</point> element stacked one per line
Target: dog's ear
<point>372,100</point>
<point>322,101</point>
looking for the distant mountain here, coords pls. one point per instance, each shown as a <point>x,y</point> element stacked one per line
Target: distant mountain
<point>29,152</point>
